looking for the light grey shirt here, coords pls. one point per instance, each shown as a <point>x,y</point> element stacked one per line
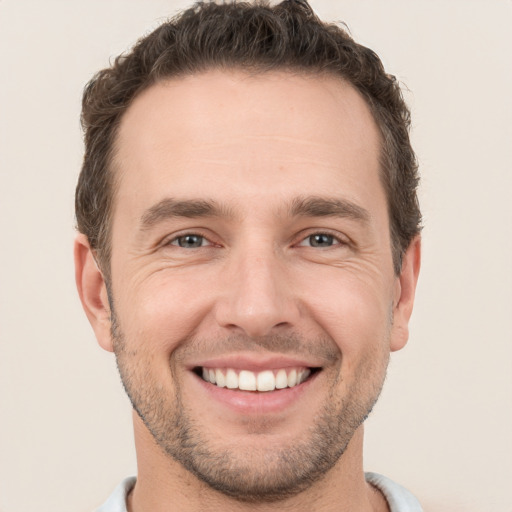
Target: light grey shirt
<point>399,499</point>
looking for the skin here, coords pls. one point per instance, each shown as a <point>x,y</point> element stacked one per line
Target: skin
<point>256,288</point>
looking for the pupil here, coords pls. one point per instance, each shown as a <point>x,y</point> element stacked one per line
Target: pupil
<point>191,241</point>
<point>321,240</point>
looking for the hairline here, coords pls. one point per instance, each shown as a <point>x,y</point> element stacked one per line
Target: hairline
<point>103,251</point>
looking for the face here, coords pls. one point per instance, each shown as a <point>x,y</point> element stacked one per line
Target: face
<point>253,293</point>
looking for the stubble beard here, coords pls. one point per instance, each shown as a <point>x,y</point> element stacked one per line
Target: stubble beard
<point>255,475</point>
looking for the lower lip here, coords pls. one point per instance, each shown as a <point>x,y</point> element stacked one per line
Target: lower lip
<point>253,402</point>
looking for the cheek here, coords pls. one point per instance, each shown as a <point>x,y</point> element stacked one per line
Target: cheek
<point>163,311</point>
<point>354,312</point>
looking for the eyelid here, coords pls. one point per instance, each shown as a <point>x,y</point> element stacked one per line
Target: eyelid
<point>341,239</point>
<point>168,240</point>
<point>175,241</point>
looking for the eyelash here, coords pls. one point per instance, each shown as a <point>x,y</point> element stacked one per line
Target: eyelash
<point>175,241</point>
<point>336,240</point>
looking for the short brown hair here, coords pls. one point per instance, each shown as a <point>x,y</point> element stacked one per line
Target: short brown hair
<point>249,36</point>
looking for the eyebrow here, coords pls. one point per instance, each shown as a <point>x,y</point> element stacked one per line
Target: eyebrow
<point>171,208</point>
<point>328,207</point>
<point>311,206</point>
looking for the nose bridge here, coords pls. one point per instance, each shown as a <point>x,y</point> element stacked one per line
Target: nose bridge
<point>258,297</point>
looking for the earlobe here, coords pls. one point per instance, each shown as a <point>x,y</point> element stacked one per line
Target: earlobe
<point>92,291</point>
<point>405,291</point>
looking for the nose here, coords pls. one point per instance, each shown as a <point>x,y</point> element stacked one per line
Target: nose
<point>257,295</point>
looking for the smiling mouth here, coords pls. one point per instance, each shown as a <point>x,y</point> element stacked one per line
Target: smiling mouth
<point>263,381</point>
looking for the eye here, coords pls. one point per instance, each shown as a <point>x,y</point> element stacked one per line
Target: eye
<point>190,241</point>
<point>320,240</point>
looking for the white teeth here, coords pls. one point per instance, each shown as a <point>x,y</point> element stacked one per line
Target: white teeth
<point>231,379</point>
<point>220,379</point>
<point>303,375</point>
<point>247,381</point>
<point>292,378</point>
<point>281,379</point>
<point>267,380</point>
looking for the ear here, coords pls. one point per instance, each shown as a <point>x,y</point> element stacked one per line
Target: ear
<point>92,291</point>
<point>405,288</point>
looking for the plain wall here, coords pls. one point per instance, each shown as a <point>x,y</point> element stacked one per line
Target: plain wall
<point>443,425</point>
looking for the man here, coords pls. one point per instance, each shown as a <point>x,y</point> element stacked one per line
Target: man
<point>249,250</point>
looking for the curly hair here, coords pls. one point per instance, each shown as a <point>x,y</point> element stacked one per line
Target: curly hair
<point>256,37</point>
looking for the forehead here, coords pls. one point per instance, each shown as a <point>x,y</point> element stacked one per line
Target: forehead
<point>234,135</point>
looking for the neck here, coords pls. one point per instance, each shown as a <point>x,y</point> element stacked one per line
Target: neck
<point>163,485</point>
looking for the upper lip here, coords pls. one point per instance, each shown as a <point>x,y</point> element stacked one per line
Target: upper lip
<point>255,363</point>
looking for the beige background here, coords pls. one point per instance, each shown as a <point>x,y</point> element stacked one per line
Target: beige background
<point>443,426</point>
